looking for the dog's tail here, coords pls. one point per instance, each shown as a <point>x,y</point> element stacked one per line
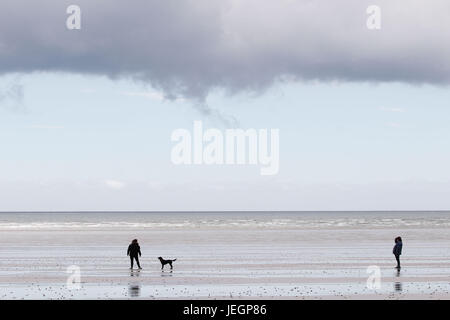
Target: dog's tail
<point>174,260</point>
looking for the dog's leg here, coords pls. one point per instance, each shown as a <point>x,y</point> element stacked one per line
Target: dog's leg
<point>171,267</point>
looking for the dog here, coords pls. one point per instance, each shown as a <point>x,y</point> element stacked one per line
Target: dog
<point>164,262</point>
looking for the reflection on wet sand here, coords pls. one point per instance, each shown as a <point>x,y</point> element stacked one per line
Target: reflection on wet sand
<point>398,286</point>
<point>134,290</point>
<point>135,273</point>
<point>166,274</point>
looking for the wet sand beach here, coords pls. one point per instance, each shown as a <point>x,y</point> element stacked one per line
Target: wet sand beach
<point>239,256</point>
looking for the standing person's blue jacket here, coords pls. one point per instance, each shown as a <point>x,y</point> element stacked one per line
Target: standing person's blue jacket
<point>397,248</point>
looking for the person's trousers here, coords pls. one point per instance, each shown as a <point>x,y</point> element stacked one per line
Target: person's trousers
<point>137,261</point>
<point>397,257</point>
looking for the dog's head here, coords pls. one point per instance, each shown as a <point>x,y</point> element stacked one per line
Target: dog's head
<point>160,259</point>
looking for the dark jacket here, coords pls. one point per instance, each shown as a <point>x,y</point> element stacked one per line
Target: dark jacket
<point>133,250</point>
<point>398,248</point>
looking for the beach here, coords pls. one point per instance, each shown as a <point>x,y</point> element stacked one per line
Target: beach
<point>224,255</point>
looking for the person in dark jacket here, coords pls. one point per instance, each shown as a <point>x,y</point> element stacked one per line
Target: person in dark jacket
<point>397,251</point>
<point>134,251</point>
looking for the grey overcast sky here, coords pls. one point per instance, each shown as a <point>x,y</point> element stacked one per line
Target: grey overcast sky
<point>191,46</point>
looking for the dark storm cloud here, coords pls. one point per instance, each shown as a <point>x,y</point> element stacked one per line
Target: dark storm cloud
<point>189,47</point>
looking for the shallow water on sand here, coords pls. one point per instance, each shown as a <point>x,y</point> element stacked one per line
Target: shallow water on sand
<point>235,256</point>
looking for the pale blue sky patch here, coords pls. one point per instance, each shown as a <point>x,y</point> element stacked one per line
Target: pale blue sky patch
<point>362,136</point>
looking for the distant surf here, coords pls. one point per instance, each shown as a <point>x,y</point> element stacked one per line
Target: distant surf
<point>188,220</point>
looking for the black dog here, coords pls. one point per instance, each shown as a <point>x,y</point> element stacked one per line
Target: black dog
<point>164,262</point>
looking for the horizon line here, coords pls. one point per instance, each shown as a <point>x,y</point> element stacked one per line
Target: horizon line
<point>208,211</point>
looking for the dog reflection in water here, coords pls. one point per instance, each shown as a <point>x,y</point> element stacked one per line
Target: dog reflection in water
<point>166,274</point>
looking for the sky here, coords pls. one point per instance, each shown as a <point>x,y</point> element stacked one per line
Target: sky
<point>86,116</point>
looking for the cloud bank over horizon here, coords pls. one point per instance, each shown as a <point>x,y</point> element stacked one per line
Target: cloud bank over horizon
<point>189,48</point>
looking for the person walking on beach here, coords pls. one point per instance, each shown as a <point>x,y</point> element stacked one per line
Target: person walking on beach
<point>133,251</point>
<point>397,251</point>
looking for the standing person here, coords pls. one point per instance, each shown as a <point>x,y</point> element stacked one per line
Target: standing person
<point>133,251</point>
<point>397,251</point>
